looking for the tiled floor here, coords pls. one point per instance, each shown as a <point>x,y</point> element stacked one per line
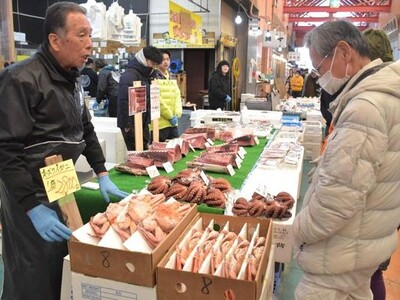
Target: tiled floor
<point>292,273</point>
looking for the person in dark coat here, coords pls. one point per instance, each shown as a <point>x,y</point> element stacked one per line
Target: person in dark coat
<point>89,78</point>
<point>141,68</point>
<point>219,87</point>
<point>43,113</point>
<point>108,85</point>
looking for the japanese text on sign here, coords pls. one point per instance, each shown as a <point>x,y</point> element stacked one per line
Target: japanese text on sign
<point>60,179</point>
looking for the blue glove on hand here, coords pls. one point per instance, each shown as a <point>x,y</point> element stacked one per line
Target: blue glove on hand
<point>228,98</point>
<point>105,103</point>
<point>95,105</point>
<point>47,224</point>
<point>174,121</point>
<point>108,187</point>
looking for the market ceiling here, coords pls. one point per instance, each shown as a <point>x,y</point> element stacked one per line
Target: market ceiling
<point>306,14</point>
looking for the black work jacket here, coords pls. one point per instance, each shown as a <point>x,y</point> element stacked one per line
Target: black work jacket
<point>42,113</point>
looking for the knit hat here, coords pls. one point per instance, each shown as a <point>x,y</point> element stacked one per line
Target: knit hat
<point>378,44</point>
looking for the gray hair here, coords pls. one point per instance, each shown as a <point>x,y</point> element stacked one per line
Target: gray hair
<point>325,37</point>
<point>56,17</point>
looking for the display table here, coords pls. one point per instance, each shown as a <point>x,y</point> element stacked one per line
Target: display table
<point>91,202</point>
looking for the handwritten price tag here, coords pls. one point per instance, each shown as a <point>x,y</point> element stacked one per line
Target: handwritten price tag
<point>152,171</point>
<point>231,170</point>
<point>210,142</point>
<point>60,179</point>
<point>168,167</point>
<point>204,177</point>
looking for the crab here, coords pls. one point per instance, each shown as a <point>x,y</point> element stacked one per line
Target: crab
<point>151,232</point>
<point>99,224</point>
<point>140,209</point>
<point>168,215</point>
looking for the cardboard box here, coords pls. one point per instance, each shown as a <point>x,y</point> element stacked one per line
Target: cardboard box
<point>174,284</point>
<point>268,288</point>
<point>123,265</point>
<point>86,287</point>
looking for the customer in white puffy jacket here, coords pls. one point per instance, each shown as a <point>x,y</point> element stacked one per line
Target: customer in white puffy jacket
<point>347,225</point>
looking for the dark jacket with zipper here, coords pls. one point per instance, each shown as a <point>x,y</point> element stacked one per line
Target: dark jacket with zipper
<point>42,113</point>
<point>218,88</point>
<point>135,72</point>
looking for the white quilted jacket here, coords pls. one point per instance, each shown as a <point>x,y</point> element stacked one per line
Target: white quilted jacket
<point>352,207</point>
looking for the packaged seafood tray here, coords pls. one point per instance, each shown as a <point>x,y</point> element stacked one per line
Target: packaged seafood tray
<point>127,254</point>
<point>217,257</point>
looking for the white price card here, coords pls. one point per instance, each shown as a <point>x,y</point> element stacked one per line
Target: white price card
<point>207,144</point>
<point>262,190</point>
<point>210,142</point>
<point>152,171</point>
<point>231,170</point>
<point>191,147</point>
<point>238,154</point>
<point>242,151</point>
<point>238,162</point>
<point>205,178</point>
<point>168,167</point>
<point>171,144</point>
<point>257,140</point>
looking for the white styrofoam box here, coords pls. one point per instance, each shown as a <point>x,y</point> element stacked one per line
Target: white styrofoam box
<point>197,117</point>
<point>274,117</point>
<point>312,138</point>
<point>87,287</point>
<point>312,126</point>
<point>105,122</point>
<point>66,285</point>
<point>222,116</point>
<point>268,287</point>
<point>311,150</point>
<point>82,165</point>
<point>314,115</point>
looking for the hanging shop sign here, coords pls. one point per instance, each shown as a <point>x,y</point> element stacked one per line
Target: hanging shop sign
<point>293,56</point>
<point>274,39</point>
<point>228,40</point>
<point>163,41</point>
<point>184,25</point>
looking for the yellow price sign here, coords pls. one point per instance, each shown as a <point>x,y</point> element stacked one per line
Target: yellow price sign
<point>60,179</point>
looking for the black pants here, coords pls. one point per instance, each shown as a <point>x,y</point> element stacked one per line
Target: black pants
<point>32,266</point>
<point>129,137</point>
<point>112,107</point>
<point>168,133</point>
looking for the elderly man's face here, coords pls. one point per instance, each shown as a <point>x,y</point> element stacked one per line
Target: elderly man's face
<point>75,45</point>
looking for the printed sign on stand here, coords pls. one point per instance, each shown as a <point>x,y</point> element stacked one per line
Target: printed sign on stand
<point>155,100</point>
<point>137,100</point>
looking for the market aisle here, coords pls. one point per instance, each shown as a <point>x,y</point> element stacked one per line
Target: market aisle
<point>392,276</point>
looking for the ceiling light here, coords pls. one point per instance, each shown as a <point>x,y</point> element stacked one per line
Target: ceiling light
<point>238,19</point>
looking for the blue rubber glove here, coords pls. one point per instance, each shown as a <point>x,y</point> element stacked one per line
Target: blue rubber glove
<point>174,121</point>
<point>47,224</point>
<point>228,98</point>
<point>95,105</point>
<point>108,187</point>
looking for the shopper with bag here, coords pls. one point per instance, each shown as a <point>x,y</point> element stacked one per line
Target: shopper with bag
<point>347,225</point>
<point>43,113</point>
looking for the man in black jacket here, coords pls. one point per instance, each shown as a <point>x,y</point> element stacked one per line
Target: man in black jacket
<point>43,113</point>
<point>141,68</point>
<point>219,86</point>
<point>89,78</point>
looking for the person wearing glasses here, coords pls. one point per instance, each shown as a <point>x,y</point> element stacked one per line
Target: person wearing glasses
<point>347,225</point>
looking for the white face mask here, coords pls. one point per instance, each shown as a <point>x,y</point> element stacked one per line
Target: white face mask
<point>330,83</point>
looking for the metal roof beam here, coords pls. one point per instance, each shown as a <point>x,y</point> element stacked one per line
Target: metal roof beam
<point>324,19</point>
<point>308,28</point>
<point>353,9</point>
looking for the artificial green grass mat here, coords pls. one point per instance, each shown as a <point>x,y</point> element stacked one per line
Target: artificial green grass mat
<point>91,202</point>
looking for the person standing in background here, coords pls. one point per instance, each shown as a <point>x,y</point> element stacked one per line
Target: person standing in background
<point>107,87</point>
<point>43,113</point>
<point>89,78</point>
<point>219,87</point>
<point>352,206</point>
<point>379,47</point>
<point>141,68</point>
<point>296,84</point>
<point>310,88</point>
<point>170,101</point>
